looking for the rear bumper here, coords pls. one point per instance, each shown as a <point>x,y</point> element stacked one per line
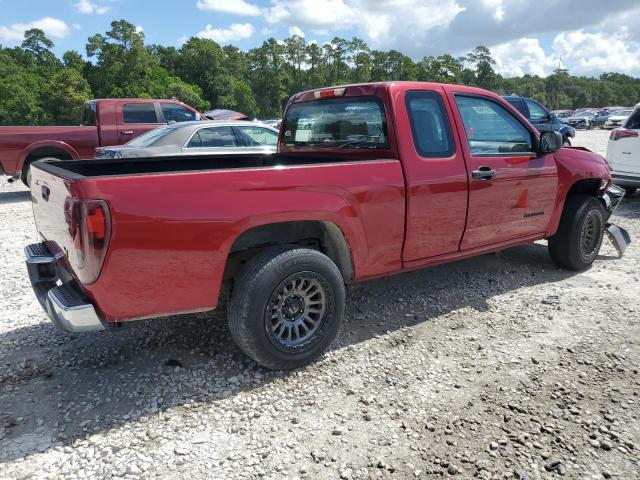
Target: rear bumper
<point>58,293</point>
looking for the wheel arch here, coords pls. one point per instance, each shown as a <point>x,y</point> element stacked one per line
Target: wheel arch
<point>322,235</point>
<point>45,148</point>
<point>585,186</point>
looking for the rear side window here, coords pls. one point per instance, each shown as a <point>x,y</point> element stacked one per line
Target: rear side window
<point>89,114</point>
<point>429,124</point>
<point>151,137</point>
<point>139,113</point>
<point>176,113</point>
<point>353,122</point>
<point>491,129</point>
<point>257,136</point>
<point>213,137</point>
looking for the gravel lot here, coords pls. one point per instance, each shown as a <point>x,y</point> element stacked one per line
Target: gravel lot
<point>502,366</point>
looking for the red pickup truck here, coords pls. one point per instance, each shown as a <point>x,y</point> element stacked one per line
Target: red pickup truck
<point>104,123</point>
<point>369,180</point>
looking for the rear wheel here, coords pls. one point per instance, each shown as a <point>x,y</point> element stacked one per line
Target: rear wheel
<point>25,176</point>
<point>287,307</point>
<point>577,243</point>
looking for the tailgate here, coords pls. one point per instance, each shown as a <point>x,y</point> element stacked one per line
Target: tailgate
<point>51,198</point>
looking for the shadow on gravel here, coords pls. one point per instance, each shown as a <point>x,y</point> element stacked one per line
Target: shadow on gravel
<point>629,208</point>
<point>56,388</point>
<point>14,197</point>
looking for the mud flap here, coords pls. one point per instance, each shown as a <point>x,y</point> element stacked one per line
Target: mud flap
<point>619,237</point>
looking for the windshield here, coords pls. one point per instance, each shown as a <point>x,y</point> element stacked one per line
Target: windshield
<point>585,114</point>
<point>149,138</point>
<point>622,113</point>
<point>339,122</point>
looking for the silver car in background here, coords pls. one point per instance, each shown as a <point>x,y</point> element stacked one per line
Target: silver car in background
<point>194,138</point>
<point>617,118</point>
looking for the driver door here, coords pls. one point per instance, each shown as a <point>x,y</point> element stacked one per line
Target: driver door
<point>512,189</point>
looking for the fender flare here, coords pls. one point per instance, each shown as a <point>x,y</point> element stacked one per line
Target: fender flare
<point>339,231</point>
<point>43,144</point>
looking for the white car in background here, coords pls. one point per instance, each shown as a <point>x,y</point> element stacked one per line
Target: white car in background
<point>617,119</point>
<point>623,153</point>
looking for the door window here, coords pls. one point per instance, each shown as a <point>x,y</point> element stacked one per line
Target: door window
<point>257,136</point>
<point>177,113</point>
<point>536,111</point>
<point>139,113</point>
<point>491,129</point>
<point>213,137</point>
<point>429,124</point>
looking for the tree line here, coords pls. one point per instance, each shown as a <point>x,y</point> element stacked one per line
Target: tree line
<point>38,88</point>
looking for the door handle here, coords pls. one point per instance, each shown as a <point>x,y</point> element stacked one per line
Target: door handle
<point>484,173</point>
<point>127,132</point>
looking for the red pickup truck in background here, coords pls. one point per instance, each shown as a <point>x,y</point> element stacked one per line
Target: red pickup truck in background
<point>369,180</point>
<point>104,123</point>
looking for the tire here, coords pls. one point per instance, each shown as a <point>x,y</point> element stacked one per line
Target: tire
<point>269,307</point>
<point>630,191</point>
<point>576,244</point>
<point>26,169</point>
<point>566,142</point>
<point>26,175</point>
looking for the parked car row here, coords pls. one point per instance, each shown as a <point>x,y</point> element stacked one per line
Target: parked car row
<point>584,118</point>
<point>108,123</point>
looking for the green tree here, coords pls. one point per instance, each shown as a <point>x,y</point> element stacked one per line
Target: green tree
<point>63,97</point>
<point>482,62</point>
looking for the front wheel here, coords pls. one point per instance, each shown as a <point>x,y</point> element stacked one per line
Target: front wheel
<point>577,242</point>
<point>287,307</point>
<point>566,142</point>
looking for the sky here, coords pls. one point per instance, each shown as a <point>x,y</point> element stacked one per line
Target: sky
<point>586,36</point>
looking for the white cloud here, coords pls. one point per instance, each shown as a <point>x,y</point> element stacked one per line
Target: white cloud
<point>312,13</point>
<point>523,56</point>
<point>237,7</point>
<point>87,7</point>
<point>53,27</point>
<point>594,53</point>
<point>236,31</point>
<point>295,31</point>
<point>582,52</point>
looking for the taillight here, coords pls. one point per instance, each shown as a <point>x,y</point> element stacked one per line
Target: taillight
<point>89,225</point>
<point>620,133</point>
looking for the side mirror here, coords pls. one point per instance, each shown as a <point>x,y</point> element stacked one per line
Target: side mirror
<point>549,142</point>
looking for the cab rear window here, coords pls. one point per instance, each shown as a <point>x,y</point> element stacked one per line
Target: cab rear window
<point>353,122</point>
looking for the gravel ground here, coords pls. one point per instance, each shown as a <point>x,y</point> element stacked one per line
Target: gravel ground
<point>501,366</point>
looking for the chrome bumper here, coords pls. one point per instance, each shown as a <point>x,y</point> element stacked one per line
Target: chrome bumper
<point>58,293</point>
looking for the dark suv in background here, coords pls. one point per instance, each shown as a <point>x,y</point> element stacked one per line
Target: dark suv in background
<point>540,117</point>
